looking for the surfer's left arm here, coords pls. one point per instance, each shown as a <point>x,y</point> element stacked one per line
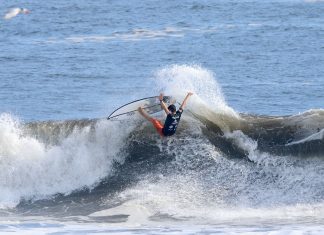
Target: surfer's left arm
<point>163,105</point>
<point>184,102</point>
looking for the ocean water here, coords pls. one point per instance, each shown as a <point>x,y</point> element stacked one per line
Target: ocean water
<point>248,156</point>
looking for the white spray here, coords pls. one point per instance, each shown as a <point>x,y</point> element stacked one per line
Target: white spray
<point>179,79</point>
<point>30,169</point>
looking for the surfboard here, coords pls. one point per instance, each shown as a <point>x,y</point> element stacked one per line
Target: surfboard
<point>149,104</point>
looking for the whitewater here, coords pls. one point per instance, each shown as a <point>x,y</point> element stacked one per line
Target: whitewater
<point>247,157</point>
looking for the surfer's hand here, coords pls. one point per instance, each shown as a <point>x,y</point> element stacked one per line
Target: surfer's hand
<point>161,97</point>
<point>190,93</point>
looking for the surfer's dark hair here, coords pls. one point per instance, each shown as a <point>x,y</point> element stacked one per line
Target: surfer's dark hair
<point>172,108</point>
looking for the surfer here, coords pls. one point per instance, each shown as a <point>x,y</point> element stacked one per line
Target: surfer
<point>173,116</point>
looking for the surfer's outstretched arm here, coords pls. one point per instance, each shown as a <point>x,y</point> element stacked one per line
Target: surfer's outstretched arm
<point>184,102</point>
<point>163,105</point>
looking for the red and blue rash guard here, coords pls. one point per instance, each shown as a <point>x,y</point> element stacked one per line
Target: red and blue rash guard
<point>171,123</point>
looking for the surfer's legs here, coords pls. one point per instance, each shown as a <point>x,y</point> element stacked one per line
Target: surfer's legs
<point>144,114</point>
<point>158,126</point>
<point>156,123</point>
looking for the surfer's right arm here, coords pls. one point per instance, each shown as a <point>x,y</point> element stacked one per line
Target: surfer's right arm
<point>184,102</point>
<point>163,105</point>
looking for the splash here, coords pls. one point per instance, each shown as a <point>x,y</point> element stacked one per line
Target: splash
<point>180,79</point>
<point>33,169</point>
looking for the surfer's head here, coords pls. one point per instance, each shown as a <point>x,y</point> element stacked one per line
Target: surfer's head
<point>172,108</point>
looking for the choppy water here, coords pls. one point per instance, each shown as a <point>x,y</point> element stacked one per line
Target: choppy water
<point>248,155</point>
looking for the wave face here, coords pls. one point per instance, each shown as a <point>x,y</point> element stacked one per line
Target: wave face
<point>220,162</point>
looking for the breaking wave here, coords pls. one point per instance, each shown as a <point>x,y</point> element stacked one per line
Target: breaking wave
<point>219,160</point>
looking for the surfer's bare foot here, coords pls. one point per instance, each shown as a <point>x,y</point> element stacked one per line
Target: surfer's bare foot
<point>140,109</point>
